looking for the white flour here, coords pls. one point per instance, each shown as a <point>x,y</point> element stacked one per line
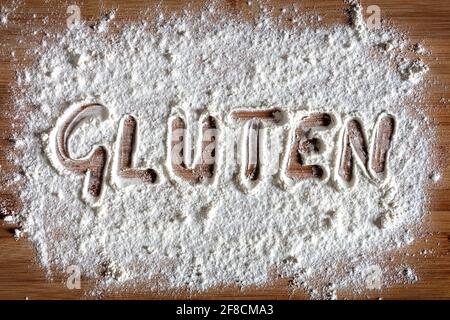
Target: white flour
<point>173,234</point>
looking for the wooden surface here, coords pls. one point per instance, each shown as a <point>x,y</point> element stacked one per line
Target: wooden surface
<point>426,21</point>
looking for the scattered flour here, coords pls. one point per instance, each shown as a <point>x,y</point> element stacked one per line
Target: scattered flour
<point>435,177</point>
<point>6,10</point>
<point>174,234</point>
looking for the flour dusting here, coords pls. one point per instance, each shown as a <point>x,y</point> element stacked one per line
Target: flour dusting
<point>174,234</point>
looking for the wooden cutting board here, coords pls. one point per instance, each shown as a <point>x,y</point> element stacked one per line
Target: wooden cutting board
<point>426,21</point>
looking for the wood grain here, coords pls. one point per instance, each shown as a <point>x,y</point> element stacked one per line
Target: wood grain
<point>426,21</point>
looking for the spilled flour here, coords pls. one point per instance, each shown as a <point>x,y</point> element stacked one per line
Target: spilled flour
<point>173,233</point>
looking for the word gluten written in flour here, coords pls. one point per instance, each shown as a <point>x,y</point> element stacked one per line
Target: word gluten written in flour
<point>353,149</point>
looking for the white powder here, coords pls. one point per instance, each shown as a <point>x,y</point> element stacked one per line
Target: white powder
<point>435,177</point>
<point>6,9</point>
<point>3,18</point>
<point>174,234</point>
